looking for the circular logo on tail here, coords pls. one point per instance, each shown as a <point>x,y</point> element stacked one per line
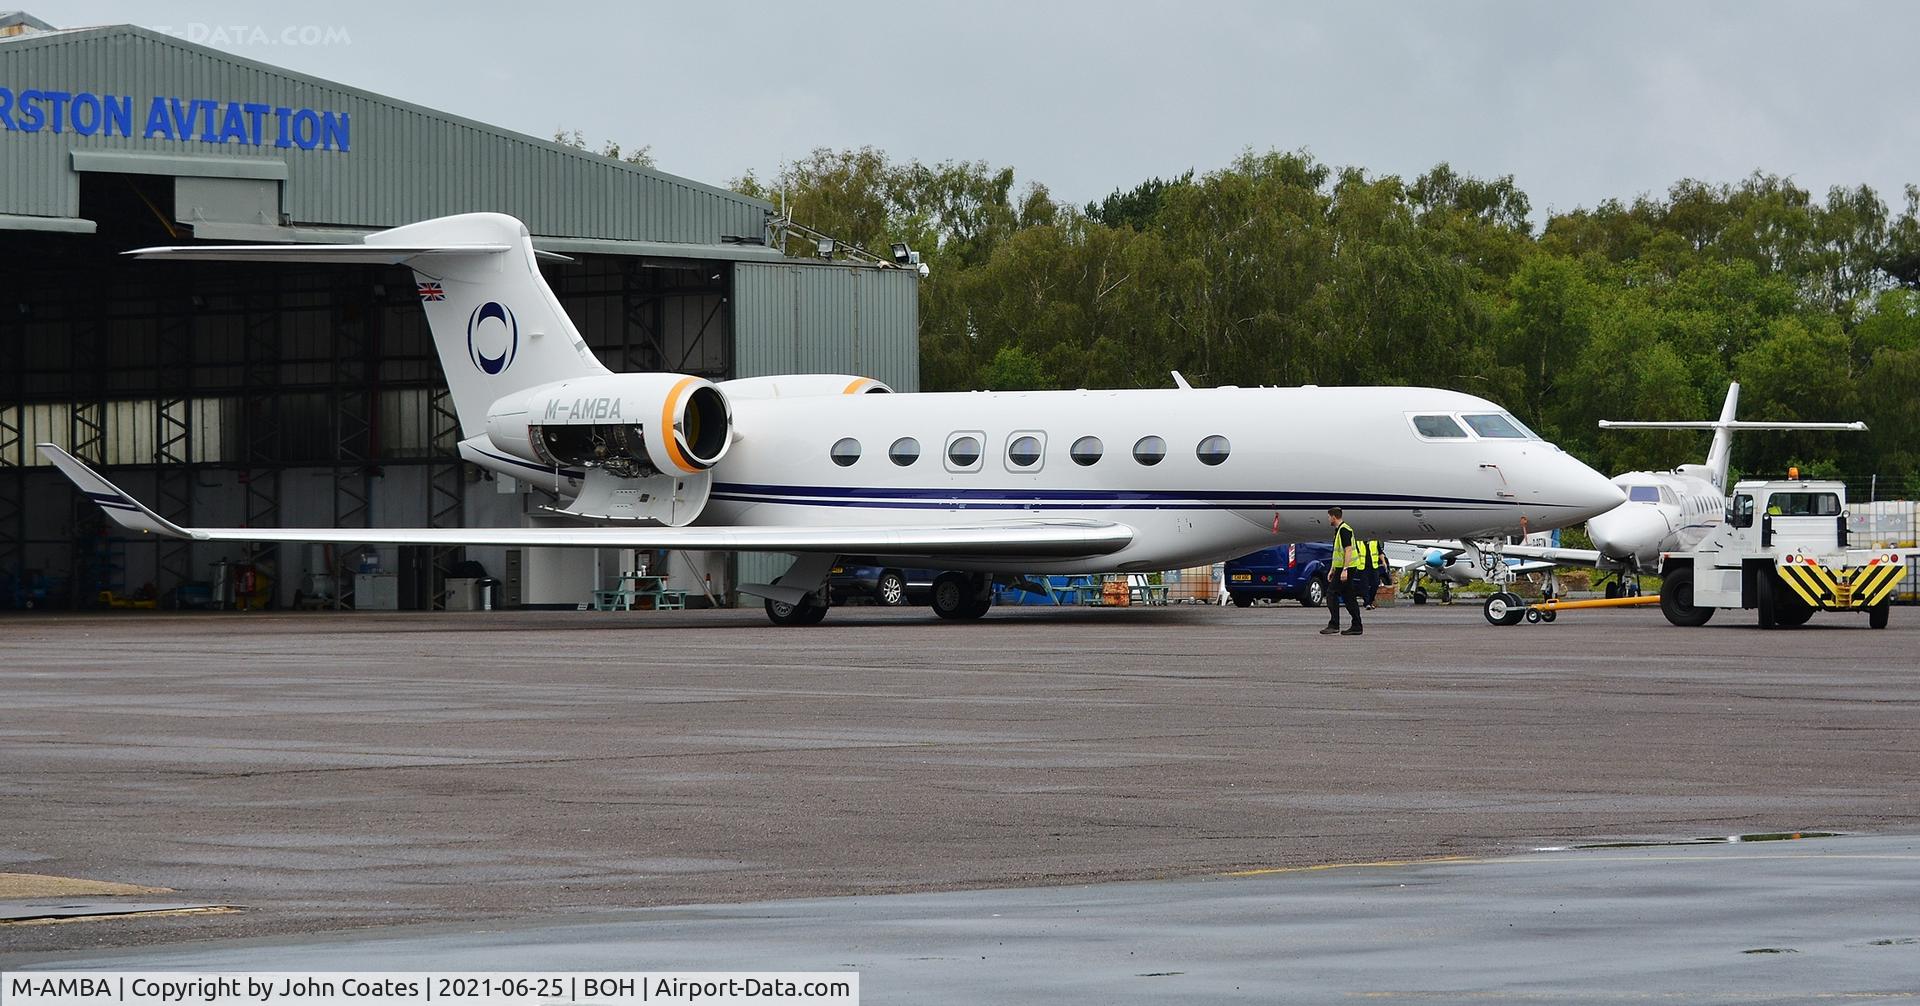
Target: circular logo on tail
<point>493,337</point>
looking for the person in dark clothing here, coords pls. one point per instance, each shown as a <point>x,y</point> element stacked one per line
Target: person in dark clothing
<point>1378,570</point>
<point>1345,577</point>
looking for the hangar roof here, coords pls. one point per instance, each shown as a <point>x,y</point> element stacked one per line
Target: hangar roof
<point>259,152</point>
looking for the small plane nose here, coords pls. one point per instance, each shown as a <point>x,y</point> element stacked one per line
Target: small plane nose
<point>1628,532</point>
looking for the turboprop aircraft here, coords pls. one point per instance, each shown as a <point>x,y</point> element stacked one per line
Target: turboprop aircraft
<point>1668,511</point>
<point>981,484</point>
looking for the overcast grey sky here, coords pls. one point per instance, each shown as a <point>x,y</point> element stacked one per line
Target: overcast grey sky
<point>1579,103</point>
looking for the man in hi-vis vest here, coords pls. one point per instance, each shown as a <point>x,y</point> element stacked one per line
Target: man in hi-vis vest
<point>1346,577</point>
<point>1378,570</point>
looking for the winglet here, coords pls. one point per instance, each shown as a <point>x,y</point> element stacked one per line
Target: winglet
<point>126,511</point>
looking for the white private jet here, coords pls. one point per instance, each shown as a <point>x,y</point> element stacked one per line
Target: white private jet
<point>982,484</point>
<point>1668,511</point>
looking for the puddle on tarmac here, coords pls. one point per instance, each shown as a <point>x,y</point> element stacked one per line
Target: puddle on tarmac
<point>1764,836</point>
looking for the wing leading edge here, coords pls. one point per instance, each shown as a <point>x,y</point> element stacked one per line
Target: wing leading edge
<point>1060,537</point>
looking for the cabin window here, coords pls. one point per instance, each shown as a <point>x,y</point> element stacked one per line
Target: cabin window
<point>1213,450</point>
<point>1023,451</point>
<point>1149,450</point>
<point>845,451</point>
<point>1496,426</point>
<point>1086,451</point>
<point>1643,494</point>
<point>963,452</point>
<point>1439,427</point>
<point>905,451</point>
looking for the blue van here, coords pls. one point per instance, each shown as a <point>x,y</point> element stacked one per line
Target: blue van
<point>1295,571</point>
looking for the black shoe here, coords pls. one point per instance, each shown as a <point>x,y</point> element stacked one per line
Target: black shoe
<point>1330,630</point>
<point>1352,632</point>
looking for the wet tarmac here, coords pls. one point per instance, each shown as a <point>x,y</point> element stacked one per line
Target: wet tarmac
<point>325,772</point>
<point>1750,923</point>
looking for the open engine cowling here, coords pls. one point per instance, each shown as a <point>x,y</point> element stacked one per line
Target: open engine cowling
<point>632,425</point>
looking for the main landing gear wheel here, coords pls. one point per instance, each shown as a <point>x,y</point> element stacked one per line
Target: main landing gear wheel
<point>1419,595</point>
<point>808,612</point>
<point>1676,600</point>
<point>1503,608</point>
<point>956,595</point>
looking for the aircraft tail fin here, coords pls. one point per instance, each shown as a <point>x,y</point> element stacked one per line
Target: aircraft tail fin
<point>1723,430</point>
<point>496,324</point>
<point>1722,449</point>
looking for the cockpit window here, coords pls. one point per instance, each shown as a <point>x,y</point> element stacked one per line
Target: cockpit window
<point>1643,494</point>
<point>1497,426</point>
<point>1444,427</point>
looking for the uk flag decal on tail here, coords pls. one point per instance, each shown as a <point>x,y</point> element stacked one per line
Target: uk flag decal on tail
<point>432,291</point>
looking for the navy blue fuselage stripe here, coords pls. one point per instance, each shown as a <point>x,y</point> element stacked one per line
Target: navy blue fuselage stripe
<point>1258,498</point>
<point>955,504</point>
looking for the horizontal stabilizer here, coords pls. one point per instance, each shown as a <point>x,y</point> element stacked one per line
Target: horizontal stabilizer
<point>345,254</point>
<point>1732,424</point>
<point>1026,537</point>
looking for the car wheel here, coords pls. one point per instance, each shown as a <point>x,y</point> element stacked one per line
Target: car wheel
<point>1241,600</point>
<point>892,589</point>
<point>1316,596</point>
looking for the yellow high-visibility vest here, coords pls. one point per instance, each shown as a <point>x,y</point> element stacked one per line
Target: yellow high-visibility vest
<point>1346,547</point>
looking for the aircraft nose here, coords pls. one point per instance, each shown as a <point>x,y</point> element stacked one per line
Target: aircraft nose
<point>1589,492</point>
<point>1627,532</point>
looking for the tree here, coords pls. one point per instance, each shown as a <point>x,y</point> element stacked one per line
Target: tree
<point>643,155</point>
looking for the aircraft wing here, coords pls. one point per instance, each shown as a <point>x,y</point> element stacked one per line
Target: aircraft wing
<point>1058,537</point>
<point>1543,556</point>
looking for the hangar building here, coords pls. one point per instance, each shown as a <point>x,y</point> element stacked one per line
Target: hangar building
<point>250,394</point>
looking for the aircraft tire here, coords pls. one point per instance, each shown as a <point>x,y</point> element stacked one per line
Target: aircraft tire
<point>957,595</point>
<point>807,612</point>
<point>1613,589</point>
<point>1676,601</point>
<point>1419,595</point>
<point>1877,616</point>
<point>1502,608</point>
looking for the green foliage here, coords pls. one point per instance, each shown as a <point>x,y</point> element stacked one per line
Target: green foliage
<point>643,155</point>
<point>1281,269</point>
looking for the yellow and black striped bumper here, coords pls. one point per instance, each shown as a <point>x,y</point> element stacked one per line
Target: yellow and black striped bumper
<point>1832,589</point>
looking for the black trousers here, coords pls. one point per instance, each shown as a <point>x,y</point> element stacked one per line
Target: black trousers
<point>1374,576</point>
<point>1344,592</point>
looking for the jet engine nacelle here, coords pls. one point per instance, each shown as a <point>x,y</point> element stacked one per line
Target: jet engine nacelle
<point>631,425</point>
<point>801,386</point>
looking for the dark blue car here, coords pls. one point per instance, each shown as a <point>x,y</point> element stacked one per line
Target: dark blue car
<point>1290,571</point>
<point>889,585</point>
